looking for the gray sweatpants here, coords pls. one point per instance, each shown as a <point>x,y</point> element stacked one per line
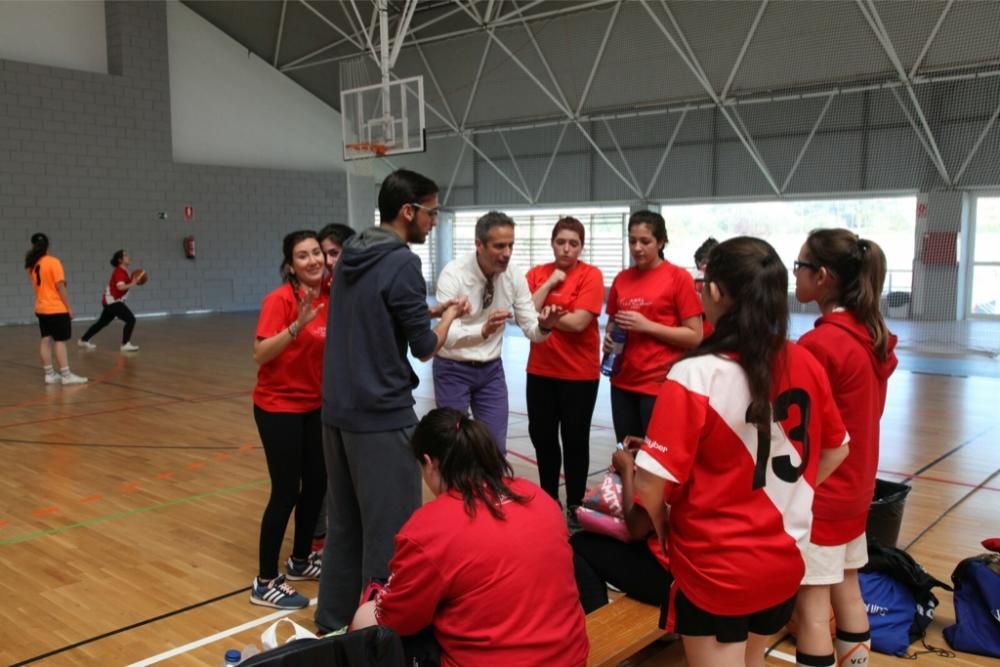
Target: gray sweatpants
<point>373,486</point>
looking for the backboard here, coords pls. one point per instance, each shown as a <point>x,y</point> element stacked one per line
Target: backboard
<point>383,119</point>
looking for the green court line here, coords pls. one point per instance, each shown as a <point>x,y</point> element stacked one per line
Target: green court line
<point>139,510</point>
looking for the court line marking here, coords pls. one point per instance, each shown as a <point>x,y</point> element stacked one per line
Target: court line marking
<point>26,537</point>
<point>222,634</point>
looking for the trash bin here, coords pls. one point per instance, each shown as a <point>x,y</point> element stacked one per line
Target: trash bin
<point>886,513</point>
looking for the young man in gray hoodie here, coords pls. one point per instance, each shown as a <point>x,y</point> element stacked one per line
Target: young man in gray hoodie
<point>378,308</point>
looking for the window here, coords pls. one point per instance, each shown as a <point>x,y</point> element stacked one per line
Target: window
<point>985,299</point>
<point>889,221</point>
<point>604,245</point>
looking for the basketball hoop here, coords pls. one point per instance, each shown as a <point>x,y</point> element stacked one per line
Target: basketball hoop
<point>378,150</point>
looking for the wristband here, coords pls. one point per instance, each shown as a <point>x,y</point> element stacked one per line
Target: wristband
<point>544,330</point>
<point>293,330</point>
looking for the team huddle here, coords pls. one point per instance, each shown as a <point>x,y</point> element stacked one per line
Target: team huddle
<point>747,461</point>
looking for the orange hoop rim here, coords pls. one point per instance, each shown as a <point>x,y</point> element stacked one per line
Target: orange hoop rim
<point>377,149</point>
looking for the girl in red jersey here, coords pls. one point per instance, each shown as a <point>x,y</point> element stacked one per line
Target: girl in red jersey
<point>114,304</point>
<point>563,370</point>
<point>656,304</point>
<point>743,429</point>
<point>843,274</point>
<point>485,565</point>
<point>286,407</point>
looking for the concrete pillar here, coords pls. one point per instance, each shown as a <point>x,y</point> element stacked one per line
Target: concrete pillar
<point>941,219</point>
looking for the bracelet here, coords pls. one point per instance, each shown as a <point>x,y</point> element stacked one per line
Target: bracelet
<point>293,330</point>
<point>544,330</point>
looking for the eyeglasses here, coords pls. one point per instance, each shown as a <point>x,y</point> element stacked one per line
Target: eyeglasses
<point>433,212</point>
<point>796,265</point>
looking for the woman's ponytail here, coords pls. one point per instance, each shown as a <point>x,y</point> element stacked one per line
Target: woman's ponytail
<point>859,268</point>
<point>39,247</point>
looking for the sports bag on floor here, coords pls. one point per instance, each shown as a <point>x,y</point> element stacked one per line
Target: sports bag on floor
<point>977,606</point>
<point>376,646</point>
<point>898,598</point>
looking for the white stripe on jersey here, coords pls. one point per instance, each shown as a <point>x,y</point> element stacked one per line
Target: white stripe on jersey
<point>725,384</point>
<point>646,461</point>
<point>108,299</point>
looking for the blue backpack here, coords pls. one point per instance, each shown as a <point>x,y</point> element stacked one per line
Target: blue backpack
<point>898,598</point>
<point>977,606</point>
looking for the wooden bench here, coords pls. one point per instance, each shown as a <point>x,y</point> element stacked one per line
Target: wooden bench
<point>621,629</point>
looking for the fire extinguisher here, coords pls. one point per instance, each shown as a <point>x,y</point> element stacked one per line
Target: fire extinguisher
<point>189,246</point>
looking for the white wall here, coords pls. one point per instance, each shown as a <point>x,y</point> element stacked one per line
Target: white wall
<point>231,108</point>
<point>60,34</point>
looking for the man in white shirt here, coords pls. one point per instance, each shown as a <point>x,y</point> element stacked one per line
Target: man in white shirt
<point>468,371</point>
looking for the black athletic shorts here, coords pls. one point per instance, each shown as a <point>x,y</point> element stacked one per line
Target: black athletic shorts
<point>693,621</point>
<point>57,326</point>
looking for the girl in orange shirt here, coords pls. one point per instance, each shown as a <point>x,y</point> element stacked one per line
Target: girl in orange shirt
<point>52,309</point>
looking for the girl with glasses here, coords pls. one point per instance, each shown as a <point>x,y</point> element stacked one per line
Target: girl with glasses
<point>844,275</point>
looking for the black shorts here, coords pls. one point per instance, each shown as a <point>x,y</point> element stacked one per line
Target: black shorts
<point>693,621</point>
<point>57,326</point>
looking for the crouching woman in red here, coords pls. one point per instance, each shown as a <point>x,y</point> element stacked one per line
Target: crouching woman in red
<point>742,431</point>
<point>486,565</point>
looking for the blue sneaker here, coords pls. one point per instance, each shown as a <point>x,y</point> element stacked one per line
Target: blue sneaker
<point>309,569</point>
<point>276,593</point>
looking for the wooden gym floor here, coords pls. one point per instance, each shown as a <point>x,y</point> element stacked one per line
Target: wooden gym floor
<point>130,506</point>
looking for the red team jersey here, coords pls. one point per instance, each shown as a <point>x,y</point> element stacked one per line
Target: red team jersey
<point>292,381</point>
<point>665,295</point>
<point>565,355</point>
<point>741,510</point>
<point>843,346</point>
<point>111,293</point>
<point>497,592</point>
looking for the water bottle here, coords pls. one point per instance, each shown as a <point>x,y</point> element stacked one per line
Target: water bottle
<point>612,362</point>
<point>248,652</point>
<point>232,658</point>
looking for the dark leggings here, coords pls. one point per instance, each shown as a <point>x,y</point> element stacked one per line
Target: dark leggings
<point>566,407</point>
<point>293,445</point>
<point>630,412</point>
<point>632,568</point>
<point>111,311</point>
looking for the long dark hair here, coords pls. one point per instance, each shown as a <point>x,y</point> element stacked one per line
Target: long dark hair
<point>657,225</point>
<point>467,458</point>
<point>39,248</point>
<point>859,267</point>
<point>750,273</point>
<point>287,247</point>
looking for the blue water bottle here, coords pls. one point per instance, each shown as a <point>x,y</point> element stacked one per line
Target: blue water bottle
<point>231,658</point>
<point>612,362</point>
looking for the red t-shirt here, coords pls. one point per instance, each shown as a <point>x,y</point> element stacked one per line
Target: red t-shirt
<point>565,355</point>
<point>292,381</point>
<point>843,346</point>
<point>665,295</point>
<point>495,592</point>
<point>111,293</point>
<point>741,509</point>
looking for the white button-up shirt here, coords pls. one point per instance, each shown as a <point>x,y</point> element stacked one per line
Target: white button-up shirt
<point>463,277</point>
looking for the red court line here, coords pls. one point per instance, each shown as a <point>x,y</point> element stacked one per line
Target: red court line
<point>204,399</point>
<point>46,398</point>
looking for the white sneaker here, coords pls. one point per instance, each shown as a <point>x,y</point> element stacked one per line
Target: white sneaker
<point>72,378</point>
<point>129,347</point>
<point>86,344</point>
<point>53,378</point>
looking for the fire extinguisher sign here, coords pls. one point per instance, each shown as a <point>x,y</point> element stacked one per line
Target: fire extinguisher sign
<point>189,213</point>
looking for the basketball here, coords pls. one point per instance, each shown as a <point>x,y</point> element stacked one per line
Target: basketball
<point>140,277</point>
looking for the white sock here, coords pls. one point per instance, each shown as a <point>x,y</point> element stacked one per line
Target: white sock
<point>853,648</point>
<point>49,370</point>
<point>65,372</point>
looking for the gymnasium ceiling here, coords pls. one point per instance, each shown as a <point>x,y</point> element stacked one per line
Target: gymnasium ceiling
<point>752,67</point>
